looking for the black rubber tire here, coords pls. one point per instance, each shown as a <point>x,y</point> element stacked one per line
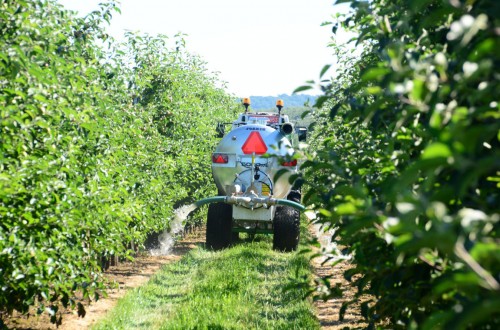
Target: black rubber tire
<point>286,229</point>
<point>219,225</point>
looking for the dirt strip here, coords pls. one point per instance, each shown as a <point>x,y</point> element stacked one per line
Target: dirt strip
<point>123,277</point>
<point>328,311</point>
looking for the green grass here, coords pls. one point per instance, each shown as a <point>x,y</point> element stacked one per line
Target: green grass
<point>244,287</point>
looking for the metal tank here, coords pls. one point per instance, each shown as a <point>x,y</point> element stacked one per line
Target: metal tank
<point>239,147</point>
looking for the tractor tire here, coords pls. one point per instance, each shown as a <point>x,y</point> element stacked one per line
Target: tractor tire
<point>286,229</point>
<point>219,225</point>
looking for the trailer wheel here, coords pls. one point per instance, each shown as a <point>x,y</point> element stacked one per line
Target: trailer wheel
<point>219,225</point>
<point>286,229</point>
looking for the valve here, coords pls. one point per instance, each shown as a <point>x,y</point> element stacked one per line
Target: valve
<point>257,175</point>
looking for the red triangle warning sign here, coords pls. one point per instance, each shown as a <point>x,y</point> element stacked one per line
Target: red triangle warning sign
<point>254,143</point>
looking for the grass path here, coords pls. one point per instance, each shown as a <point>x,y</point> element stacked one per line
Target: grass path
<point>244,287</point>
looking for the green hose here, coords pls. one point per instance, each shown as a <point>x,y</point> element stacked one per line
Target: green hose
<point>295,205</point>
<point>216,199</point>
<point>209,200</point>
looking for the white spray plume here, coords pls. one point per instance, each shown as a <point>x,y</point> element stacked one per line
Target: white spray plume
<point>166,239</point>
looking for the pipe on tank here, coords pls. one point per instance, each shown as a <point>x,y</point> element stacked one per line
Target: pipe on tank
<point>287,128</point>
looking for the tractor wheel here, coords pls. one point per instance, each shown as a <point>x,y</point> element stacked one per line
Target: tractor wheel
<point>219,224</point>
<point>286,229</point>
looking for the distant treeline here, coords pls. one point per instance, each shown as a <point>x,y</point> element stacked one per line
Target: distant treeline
<point>269,102</point>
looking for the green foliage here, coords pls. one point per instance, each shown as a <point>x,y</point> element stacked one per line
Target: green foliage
<point>99,143</point>
<point>406,160</point>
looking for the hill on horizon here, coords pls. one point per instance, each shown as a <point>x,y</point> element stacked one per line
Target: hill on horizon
<point>269,102</point>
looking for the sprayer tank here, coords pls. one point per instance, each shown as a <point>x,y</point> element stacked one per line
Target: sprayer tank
<point>253,150</point>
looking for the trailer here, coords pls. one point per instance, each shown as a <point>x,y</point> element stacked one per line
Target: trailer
<point>251,167</point>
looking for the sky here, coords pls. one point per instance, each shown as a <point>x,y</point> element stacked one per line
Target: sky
<point>258,47</point>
